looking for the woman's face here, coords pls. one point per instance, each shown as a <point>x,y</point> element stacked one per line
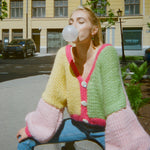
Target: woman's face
<point>81,22</point>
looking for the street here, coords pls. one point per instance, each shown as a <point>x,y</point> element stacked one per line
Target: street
<point>14,68</point>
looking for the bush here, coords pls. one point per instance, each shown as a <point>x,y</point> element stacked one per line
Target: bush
<point>135,96</point>
<point>133,88</point>
<point>138,72</point>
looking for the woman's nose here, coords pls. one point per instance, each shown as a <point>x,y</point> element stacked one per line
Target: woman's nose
<point>74,24</point>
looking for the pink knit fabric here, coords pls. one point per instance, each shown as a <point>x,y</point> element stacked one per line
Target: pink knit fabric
<point>44,122</point>
<point>124,132</point>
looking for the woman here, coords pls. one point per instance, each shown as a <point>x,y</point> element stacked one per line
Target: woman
<point>85,79</point>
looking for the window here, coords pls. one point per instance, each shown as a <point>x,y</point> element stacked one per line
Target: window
<point>16,8</point>
<point>55,40</point>
<point>132,38</point>
<point>101,9</point>
<point>38,8</point>
<point>61,8</point>
<point>132,7</point>
<point>17,34</point>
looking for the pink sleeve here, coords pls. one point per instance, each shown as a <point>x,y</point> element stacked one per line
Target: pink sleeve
<point>43,123</point>
<point>124,132</point>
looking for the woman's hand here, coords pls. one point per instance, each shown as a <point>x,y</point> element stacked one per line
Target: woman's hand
<point>21,135</point>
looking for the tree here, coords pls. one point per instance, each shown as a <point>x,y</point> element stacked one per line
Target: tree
<point>3,9</point>
<point>99,7</point>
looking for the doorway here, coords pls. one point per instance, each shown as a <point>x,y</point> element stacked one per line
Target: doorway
<point>36,38</point>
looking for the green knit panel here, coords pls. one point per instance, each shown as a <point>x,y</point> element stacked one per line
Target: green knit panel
<point>105,91</point>
<point>95,94</point>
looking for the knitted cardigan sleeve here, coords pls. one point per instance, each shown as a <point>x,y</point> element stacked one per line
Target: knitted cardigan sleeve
<point>55,92</point>
<point>124,132</point>
<point>43,123</point>
<point>113,94</point>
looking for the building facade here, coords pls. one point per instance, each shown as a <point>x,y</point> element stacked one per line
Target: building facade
<point>44,20</point>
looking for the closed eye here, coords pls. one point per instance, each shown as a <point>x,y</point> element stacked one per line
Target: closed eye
<point>81,20</point>
<point>70,21</point>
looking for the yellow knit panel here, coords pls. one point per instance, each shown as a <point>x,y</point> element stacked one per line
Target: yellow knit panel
<point>63,88</point>
<point>55,92</point>
<point>73,92</point>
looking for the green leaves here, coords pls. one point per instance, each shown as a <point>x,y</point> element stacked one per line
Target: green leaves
<point>135,96</point>
<point>133,87</point>
<point>138,72</point>
<point>3,9</point>
<point>148,24</point>
<point>102,8</point>
<point>110,19</point>
<point>124,72</point>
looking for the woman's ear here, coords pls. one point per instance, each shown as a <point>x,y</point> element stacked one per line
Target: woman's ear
<point>94,30</point>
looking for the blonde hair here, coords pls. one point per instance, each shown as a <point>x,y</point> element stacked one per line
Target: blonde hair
<point>97,38</point>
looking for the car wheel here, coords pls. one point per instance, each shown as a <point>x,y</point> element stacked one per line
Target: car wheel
<point>24,55</point>
<point>32,54</point>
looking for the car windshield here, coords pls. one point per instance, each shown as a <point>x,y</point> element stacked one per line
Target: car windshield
<point>17,42</point>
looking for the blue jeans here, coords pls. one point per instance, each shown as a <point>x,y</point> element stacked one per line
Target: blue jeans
<point>70,131</point>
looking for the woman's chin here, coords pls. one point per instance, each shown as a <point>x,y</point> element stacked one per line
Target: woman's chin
<point>75,42</point>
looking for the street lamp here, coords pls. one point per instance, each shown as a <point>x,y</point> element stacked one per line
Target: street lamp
<point>119,12</point>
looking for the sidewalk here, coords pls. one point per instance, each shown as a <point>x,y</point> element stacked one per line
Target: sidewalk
<point>41,55</point>
<point>18,97</point>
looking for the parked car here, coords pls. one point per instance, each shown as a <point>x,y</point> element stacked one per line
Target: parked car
<point>147,55</point>
<point>19,47</point>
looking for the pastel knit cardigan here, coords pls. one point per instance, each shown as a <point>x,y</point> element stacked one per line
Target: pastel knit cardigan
<point>101,90</point>
<point>99,99</point>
